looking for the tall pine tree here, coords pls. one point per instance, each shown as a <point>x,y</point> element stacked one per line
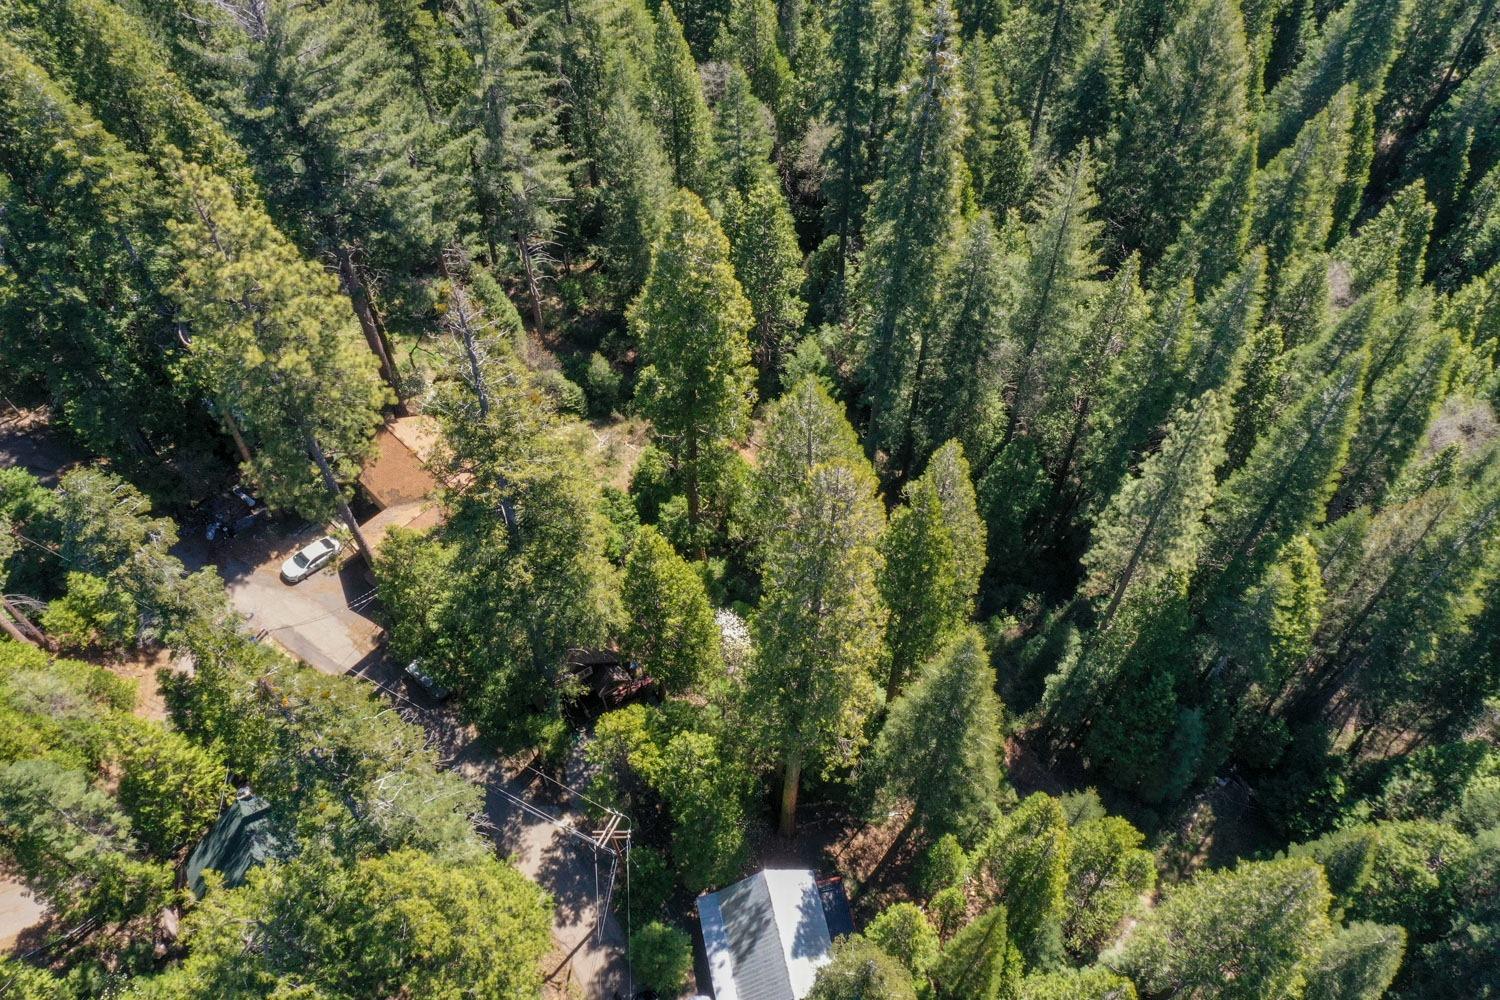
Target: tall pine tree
<point>691,321</point>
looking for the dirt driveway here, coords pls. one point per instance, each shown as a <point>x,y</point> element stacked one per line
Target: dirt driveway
<point>330,621</point>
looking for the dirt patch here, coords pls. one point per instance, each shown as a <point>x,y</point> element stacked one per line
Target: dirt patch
<point>28,442</point>
<point>141,671</point>
<point>19,912</point>
<point>616,447</point>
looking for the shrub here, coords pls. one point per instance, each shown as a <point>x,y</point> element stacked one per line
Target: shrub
<point>651,483</point>
<point>903,932</point>
<point>91,613</point>
<point>601,383</point>
<point>661,956</point>
<point>650,883</point>
<point>948,909</point>
<point>944,866</point>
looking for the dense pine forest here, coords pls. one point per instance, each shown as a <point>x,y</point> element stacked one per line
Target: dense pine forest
<point>1042,455</point>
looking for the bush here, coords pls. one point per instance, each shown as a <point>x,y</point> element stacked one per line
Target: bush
<point>171,789</point>
<point>859,970</point>
<point>553,741</point>
<point>1479,809</point>
<point>651,483</point>
<point>902,931</point>
<point>601,383</point>
<point>91,613</point>
<point>565,395</point>
<point>944,866</point>
<point>807,359</point>
<point>619,511</point>
<point>662,957</point>
<point>650,883</point>
<point>948,909</point>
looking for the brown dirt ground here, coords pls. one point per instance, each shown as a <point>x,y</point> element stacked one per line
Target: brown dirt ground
<point>142,671</point>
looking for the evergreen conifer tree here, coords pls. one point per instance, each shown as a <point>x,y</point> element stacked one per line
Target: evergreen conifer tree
<point>341,148</point>
<point>751,37</point>
<point>1357,962</point>
<point>859,970</point>
<point>433,56</point>
<point>1350,197</point>
<point>938,749</point>
<point>980,963</point>
<point>1443,39</point>
<point>1071,418</point>
<point>270,343</point>
<point>1258,394</point>
<point>1397,408</point>
<point>1393,245</point>
<point>1108,871</point>
<point>515,163</point>
<point>1048,39</point>
<point>967,338</point>
<point>670,627</point>
<point>1058,286</point>
<point>1215,236</point>
<point>85,261</point>
<point>846,101</point>
<point>803,428</point>
<point>1022,864</point>
<point>1284,485</point>
<point>1138,390</point>
<point>1180,133</point>
<point>1264,920</point>
<point>1141,27</point>
<point>817,629</point>
<point>742,135</point>
<point>1295,197</point>
<point>1148,539</point>
<point>691,321</point>
<point>1302,303</point>
<point>768,263</point>
<point>934,557</point>
<point>913,214</point>
<point>1225,323</point>
<point>678,106</point>
<point>108,62</point>
<point>1090,103</point>
<point>1355,46</point>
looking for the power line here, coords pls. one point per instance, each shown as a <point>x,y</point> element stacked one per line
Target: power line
<point>45,548</point>
<point>573,791</point>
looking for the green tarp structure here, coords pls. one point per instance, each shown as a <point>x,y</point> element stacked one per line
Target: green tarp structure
<point>240,840</point>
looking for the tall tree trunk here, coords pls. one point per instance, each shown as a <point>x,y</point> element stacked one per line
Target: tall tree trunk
<point>359,296</point>
<point>316,450</point>
<point>791,781</point>
<point>694,496</point>
<point>463,320</point>
<point>233,426</point>
<point>1044,85</point>
<point>38,637</point>
<point>533,288</point>
<point>11,630</point>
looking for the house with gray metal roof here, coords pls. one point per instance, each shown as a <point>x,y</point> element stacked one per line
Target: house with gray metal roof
<point>765,938</point>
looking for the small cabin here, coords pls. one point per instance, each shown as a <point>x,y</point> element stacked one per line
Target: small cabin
<point>766,937</point>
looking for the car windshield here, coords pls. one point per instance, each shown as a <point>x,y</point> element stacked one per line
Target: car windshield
<point>299,560</point>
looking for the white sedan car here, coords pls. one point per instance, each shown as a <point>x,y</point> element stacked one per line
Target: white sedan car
<point>310,558</point>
